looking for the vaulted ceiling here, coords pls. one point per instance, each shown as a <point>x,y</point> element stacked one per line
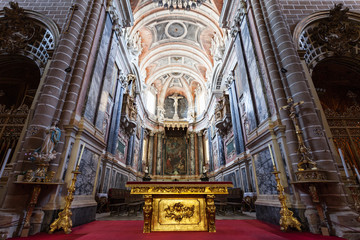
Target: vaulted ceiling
<point>176,56</point>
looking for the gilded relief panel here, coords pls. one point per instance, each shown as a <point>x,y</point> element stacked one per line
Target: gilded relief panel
<point>173,214</point>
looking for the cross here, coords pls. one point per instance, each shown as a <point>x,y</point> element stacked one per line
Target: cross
<point>305,160</point>
<point>176,98</point>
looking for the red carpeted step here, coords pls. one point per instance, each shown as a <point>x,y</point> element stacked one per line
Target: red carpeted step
<point>226,230</point>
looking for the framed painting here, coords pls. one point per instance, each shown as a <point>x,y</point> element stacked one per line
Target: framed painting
<point>175,156</point>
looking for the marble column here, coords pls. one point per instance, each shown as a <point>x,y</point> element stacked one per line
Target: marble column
<point>130,151</point>
<point>192,153</point>
<point>140,158</point>
<point>200,152</point>
<point>150,151</point>
<point>159,159</point>
<point>196,147</point>
<point>220,150</point>
<point>115,119</point>
<point>211,155</point>
<point>154,153</point>
<point>235,118</point>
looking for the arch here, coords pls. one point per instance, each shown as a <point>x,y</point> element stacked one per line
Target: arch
<point>306,35</point>
<point>40,39</point>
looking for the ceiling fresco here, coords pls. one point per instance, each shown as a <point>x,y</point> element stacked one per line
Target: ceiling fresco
<point>176,46</point>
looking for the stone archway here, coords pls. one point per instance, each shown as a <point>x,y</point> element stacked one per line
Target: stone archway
<point>330,44</point>
<point>27,41</point>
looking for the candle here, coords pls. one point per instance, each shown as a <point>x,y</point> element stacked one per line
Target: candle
<point>82,151</point>
<point>272,158</point>
<point>343,163</point>
<point>357,174</point>
<point>5,161</point>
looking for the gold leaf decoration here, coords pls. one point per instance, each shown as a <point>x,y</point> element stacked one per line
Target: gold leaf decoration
<point>179,211</point>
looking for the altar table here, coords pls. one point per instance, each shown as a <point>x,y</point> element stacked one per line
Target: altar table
<point>179,206</point>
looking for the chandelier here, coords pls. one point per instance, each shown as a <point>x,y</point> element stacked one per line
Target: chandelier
<point>179,4</point>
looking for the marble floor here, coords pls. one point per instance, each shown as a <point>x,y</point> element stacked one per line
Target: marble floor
<point>225,216</point>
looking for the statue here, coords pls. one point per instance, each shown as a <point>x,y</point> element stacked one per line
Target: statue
<point>43,155</point>
<point>146,177</point>
<point>53,135</point>
<point>204,177</point>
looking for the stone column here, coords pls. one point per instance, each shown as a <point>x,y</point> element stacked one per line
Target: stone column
<point>200,151</point>
<point>295,81</point>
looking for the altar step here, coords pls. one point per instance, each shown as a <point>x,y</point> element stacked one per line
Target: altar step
<point>225,230</point>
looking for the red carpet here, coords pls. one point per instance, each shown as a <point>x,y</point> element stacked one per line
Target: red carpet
<point>226,230</point>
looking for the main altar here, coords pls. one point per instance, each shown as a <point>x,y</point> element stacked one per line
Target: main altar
<point>179,206</point>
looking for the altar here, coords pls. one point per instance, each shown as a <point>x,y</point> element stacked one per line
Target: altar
<point>179,206</point>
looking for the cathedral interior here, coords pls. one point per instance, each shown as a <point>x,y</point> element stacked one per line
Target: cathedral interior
<point>180,91</point>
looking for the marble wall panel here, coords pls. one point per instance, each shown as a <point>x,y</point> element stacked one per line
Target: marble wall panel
<point>106,180</point>
<point>88,167</point>
<point>264,168</point>
<point>244,179</point>
<point>106,100</point>
<point>231,177</point>
<point>95,87</point>
<point>256,80</point>
<point>67,161</point>
<point>243,88</point>
<point>98,184</point>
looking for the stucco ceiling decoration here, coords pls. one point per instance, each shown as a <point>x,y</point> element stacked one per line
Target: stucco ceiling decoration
<point>177,42</point>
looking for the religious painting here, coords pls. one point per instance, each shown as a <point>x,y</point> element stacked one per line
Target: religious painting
<point>176,156</point>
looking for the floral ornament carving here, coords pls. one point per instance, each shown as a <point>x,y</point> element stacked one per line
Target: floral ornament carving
<point>337,32</point>
<point>179,211</point>
<point>16,30</point>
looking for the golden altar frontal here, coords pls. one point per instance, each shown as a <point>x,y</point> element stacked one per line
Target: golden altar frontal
<point>179,206</point>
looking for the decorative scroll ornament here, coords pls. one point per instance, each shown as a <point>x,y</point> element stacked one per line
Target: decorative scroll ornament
<point>16,30</point>
<point>179,211</point>
<point>337,32</point>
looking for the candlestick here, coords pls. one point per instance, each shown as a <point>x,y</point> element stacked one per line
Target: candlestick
<point>343,163</point>
<point>82,151</point>
<point>272,158</point>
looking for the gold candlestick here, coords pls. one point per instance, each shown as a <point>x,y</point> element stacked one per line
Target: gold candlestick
<point>286,220</point>
<point>64,220</point>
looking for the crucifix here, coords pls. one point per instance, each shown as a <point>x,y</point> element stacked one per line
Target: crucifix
<point>176,98</point>
<point>305,160</point>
